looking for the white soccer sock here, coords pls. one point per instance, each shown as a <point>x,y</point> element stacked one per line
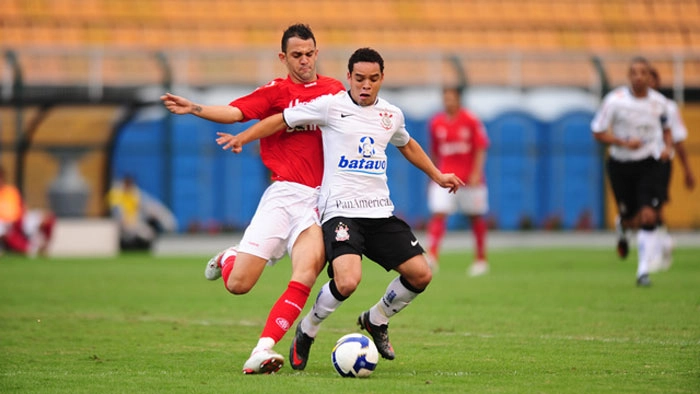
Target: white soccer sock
<point>649,249</point>
<point>264,343</point>
<point>396,298</point>
<point>324,305</point>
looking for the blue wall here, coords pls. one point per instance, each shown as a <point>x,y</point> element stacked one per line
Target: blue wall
<point>537,171</point>
<point>208,186</point>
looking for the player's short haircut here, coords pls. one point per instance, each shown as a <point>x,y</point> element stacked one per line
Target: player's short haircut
<point>641,60</point>
<point>368,55</point>
<point>298,30</point>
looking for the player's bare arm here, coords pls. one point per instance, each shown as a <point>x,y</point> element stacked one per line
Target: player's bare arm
<point>667,152</point>
<point>682,155</point>
<point>608,138</point>
<point>216,113</point>
<point>413,152</point>
<point>262,129</point>
<point>479,161</point>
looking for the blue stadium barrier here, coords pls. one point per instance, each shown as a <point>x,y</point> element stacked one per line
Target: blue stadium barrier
<point>137,147</point>
<point>536,171</point>
<point>513,169</point>
<point>209,187</point>
<point>575,186</point>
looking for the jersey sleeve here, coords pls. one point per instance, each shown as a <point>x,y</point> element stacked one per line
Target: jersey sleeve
<point>256,104</point>
<point>313,112</point>
<point>678,130</point>
<point>603,118</point>
<point>400,137</point>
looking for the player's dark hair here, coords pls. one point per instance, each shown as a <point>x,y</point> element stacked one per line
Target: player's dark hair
<point>368,55</point>
<point>641,60</point>
<point>298,30</point>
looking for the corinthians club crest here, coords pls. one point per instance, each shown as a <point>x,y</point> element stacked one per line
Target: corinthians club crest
<point>341,232</point>
<point>386,121</point>
<point>366,147</point>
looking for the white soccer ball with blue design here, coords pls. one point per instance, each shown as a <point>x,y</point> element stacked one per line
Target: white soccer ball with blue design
<point>354,356</point>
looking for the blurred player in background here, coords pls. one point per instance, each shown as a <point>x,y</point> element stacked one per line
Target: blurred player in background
<point>678,134</point>
<point>458,144</point>
<point>286,220</point>
<point>21,230</point>
<point>356,210</point>
<point>633,122</point>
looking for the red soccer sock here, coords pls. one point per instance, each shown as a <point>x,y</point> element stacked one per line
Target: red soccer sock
<point>436,232</point>
<point>479,229</point>
<point>226,267</point>
<point>285,311</point>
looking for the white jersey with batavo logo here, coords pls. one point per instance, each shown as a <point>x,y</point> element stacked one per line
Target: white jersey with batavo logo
<point>355,139</point>
<point>633,117</point>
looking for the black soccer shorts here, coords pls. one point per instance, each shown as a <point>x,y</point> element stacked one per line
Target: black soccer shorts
<point>388,242</point>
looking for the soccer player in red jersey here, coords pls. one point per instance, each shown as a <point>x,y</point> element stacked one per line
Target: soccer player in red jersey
<point>458,144</point>
<point>286,220</point>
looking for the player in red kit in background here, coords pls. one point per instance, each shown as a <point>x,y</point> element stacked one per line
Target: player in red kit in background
<point>286,220</point>
<point>458,144</point>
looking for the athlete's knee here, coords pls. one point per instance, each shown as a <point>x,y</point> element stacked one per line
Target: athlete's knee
<point>347,284</point>
<point>648,218</point>
<point>422,280</point>
<point>418,279</point>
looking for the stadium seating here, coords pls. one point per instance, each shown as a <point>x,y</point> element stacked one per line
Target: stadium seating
<point>543,25</point>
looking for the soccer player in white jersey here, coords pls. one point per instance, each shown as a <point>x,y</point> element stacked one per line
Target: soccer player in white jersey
<point>633,122</point>
<point>356,210</point>
<point>679,133</point>
<point>295,161</point>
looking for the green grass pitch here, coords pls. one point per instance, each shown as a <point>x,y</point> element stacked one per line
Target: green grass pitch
<point>542,321</point>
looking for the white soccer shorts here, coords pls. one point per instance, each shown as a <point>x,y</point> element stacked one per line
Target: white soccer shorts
<point>284,211</point>
<point>469,200</point>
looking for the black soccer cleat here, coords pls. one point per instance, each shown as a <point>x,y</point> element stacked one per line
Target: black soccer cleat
<point>299,350</point>
<point>380,335</point>
<point>623,248</point>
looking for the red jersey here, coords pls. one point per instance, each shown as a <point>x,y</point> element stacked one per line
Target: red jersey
<point>454,142</point>
<point>298,156</point>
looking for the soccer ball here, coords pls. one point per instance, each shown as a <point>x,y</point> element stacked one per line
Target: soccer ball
<point>354,356</point>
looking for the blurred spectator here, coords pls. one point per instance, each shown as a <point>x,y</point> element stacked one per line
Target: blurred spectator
<point>141,217</point>
<point>21,230</point>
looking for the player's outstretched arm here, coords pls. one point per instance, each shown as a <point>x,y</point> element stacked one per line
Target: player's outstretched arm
<point>262,129</point>
<point>417,156</point>
<point>216,113</point>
